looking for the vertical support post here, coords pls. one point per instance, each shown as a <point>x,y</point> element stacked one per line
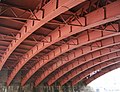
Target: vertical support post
<point>69,89</point>
<point>72,89</point>
<point>34,89</point>
<point>42,89</point>
<point>52,89</point>
<point>60,89</point>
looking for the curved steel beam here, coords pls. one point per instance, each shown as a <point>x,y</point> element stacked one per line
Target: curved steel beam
<point>91,62</point>
<point>50,11</point>
<point>77,53</point>
<point>72,65</point>
<point>90,21</point>
<point>68,33</point>
<point>86,73</point>
<point>74,43</point>
<point>102,72</point>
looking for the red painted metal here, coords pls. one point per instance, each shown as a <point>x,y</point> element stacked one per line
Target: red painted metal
<point>13,10</point>
<point>50,11</point>
<point>86,73</point>
<point>76,63</point>
<point>91,23</point>
<point>75,54</point>
<point>91,62</point>
<point>74,43</point>
<point>102,72</point>
<point>51,43</point>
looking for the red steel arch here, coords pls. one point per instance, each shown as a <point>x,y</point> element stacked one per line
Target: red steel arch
<point>75,64</point>
<point>35,68</point>
<point>73,55</point>
<point>78,78</point>
<point>72,38</point>
<point>28,28</point>
<point>102,72</point>
<point>50,12</point>
<point>74,43</point>
<point>90,63</point>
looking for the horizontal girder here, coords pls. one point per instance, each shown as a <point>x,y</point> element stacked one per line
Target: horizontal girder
<point>91,23</point>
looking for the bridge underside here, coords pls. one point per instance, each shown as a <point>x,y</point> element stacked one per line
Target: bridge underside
<point>50,44</point>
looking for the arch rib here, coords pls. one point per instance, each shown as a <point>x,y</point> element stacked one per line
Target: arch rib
<point>28,29</point>
<point>99,67</point>
<point>72,65</point>
<point>91,62</point>
<point>73,55</point>
<point>90,23</point>
<point>102,72</point>
<point>64,48</point>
